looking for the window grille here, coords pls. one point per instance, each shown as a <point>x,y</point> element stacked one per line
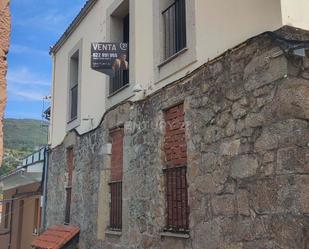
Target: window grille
<point>116,206</point>
<point>175,148</point>
<point>174,19</point>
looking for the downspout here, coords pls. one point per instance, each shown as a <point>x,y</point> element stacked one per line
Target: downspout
<point>45,188</point>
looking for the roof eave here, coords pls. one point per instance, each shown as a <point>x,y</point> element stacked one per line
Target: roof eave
<point>72,27</point>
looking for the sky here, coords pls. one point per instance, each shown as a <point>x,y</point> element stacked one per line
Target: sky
<point>36,25</point>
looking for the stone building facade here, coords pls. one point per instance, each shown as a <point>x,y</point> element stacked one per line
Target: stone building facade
<point>246,125</point>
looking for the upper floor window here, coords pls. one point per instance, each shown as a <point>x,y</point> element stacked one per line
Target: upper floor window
<point>174,19</point>
<point>120,26</point>
<point>74,65</point>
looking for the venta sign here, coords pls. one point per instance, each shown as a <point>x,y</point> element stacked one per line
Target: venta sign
<point>109,57</point>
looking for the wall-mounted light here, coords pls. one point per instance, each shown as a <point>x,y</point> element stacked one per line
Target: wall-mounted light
<point>138,88</point>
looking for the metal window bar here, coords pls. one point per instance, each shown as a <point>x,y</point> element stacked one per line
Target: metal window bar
<point>68,205</point>
<point>177,219</point>
<point>74,101</point>
<point>174,18</point>
<point>119,80</point>
<point>6,217</point>
<point>116,206</point>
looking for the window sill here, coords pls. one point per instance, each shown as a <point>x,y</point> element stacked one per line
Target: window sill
<point>174,56</point>
<point>175,235</point>
<point>117,91</point>
<point>113,233</point>
<point>4,231</point>
<point>72,120</point>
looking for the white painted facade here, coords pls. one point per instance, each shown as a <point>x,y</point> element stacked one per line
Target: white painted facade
<point>213,26</point>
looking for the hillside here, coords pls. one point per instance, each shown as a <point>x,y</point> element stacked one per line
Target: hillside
<point>21,137</point>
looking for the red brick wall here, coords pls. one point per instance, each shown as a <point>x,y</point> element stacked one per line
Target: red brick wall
<point>175,149</point>
<point>117,154</point>
<point>175,146</point>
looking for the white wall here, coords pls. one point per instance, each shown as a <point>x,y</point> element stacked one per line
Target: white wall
<point>222,24</point>
<point>296,13</point>
<point>93,84</point>
<point>213,27</point>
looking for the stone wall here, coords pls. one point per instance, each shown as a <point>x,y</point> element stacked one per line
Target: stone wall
<point>246,117</point>
<point>5,27</point>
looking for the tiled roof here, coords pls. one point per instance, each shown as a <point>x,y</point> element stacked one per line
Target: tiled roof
<point>55,237</point>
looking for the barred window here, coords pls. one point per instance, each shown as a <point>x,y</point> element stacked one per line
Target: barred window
<point>121,77</point>
<point>70,166</point>
<point>116,179</point>
<point>176,171</point>
<point>174,18</point>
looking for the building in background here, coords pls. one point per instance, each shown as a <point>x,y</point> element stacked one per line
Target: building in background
<point>21,219</point>
<point>201,143</point>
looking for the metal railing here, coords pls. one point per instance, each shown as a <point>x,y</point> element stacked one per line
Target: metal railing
<point>174,18</point>
<point>67,217</point>
<point>119,80</point>
<point>116,206</point>
<point>177,199</point>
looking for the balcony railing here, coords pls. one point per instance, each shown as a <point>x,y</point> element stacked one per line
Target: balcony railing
<point>174,18</point>
<point>119,80</point>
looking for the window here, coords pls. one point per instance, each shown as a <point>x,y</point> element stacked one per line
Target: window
<point>6,215</point>
<point>74,64</point>
<point>174,19</point>
<point>121,25</point>
<point>70,158</point>
<point>116,179</point>
<point>37,216</point>
<point>175,172</point>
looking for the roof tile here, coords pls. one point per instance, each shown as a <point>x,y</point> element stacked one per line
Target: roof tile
<point>55,237</point>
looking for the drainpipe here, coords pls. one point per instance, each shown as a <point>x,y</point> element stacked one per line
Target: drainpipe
<point>45,188</point>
